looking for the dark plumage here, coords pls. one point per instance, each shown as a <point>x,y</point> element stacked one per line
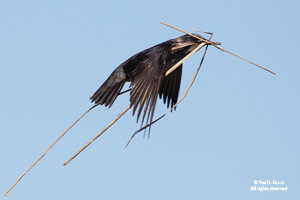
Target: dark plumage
<point>146,72</point>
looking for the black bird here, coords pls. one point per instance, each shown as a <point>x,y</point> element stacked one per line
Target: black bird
<point>146,71</point>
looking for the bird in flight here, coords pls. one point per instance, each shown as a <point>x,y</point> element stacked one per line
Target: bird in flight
<point>146,71</point>
<point>152,72</point>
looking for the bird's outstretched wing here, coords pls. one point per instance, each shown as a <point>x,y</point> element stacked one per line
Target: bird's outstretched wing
<point>170,86</point>
<point>146,71</point>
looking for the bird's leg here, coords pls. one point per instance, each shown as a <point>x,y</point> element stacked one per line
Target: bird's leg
<point>124,91</point>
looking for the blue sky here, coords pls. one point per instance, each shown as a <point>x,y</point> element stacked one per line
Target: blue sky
<point>238,123</point>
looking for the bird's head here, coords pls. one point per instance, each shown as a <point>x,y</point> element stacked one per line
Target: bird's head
<point>189,40</point>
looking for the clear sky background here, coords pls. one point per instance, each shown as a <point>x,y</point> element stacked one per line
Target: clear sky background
<point>238,123</point>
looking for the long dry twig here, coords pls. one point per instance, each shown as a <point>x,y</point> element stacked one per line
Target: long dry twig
<point>94,138</point>
<point>53,145</point>
<point>48,150</point>
<point>217,46</point>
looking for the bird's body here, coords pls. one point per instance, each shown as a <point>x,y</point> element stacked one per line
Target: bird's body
<point>146,71</point>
